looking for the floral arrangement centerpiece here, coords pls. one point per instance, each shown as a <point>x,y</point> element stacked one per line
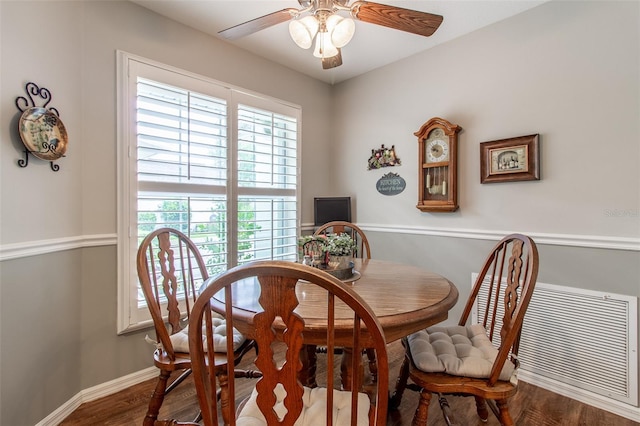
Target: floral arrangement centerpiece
<point>340,245</point>
<point>331,252</point>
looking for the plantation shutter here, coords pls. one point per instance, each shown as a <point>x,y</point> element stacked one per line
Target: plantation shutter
<point>267,183</point>
<point>182,167</point>
<point>217,163</point>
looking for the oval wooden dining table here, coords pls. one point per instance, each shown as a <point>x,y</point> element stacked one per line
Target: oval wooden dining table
<point>405,299</point>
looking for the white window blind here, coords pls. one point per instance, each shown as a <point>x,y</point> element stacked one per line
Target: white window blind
<point>181,136</point>
<point>266,160</point>
<point>214,162</point>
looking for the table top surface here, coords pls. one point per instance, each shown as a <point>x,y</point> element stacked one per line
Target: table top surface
<point>405,299</point>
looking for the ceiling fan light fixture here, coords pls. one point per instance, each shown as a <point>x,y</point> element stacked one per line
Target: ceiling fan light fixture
<point>341,30</point>
<point>324,47</point>
<point>332,32</point>
<point>303,31</point>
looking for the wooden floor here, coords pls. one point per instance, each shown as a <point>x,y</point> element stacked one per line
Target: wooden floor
<point>532,406</point>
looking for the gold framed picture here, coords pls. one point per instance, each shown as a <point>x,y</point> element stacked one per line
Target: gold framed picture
<point>510,160</point>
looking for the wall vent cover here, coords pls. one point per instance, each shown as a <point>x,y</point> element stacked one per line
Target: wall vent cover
<point>583,338</point>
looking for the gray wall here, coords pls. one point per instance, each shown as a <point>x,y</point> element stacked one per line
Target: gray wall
<point>566,70</point>
<point>546,71</point>
<point>58,309</point>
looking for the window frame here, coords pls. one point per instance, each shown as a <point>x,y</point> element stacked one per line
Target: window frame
<point>129,316</point>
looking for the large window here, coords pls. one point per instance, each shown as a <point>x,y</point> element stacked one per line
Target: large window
<point>217,163</point>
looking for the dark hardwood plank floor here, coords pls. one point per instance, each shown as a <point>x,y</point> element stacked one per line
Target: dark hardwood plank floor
<point>532,406</point>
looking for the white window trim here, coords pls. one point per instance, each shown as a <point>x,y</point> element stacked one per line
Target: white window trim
<point>126,181</point>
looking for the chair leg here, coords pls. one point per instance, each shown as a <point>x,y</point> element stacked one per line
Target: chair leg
<point>309,359</point>
<point>401,385</point>
<point>481,408</point>
<point>373,364</point>
<point>505,417</point>
<point>422,412</point>
<point>348,377</point>
<point>156,399</point>
<point>223,394</point>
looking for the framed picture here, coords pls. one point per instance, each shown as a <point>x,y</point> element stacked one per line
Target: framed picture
<point>510,160</point>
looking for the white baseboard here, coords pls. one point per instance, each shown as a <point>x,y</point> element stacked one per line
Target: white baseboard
<point>602,402</point>
<point>119,384</point>
<point>95,392</point>
<point>62,412</point>
<point>113,386</point>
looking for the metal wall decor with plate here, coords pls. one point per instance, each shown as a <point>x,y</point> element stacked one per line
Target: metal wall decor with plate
<point>41,130</point>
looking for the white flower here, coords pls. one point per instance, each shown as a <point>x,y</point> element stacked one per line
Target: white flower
<point>340,245</point>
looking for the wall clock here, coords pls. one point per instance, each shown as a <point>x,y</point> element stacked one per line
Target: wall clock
<point>438,166</point>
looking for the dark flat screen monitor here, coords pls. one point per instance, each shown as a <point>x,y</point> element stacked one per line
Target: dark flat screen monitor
<point>328,209</point>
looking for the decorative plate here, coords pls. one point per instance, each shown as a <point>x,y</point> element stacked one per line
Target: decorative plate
<point>43,133</point>
<point>354,277</point>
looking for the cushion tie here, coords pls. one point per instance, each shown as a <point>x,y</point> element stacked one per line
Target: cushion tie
<point>149,340</point>
<point>514,376</point>
<point>180,340</point>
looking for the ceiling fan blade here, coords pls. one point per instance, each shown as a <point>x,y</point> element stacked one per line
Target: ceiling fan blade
<point>332,62</point>
<point>412,21</point>
<point>258,24</point>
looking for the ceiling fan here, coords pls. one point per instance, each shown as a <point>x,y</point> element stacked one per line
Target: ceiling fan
<point>332,31</point>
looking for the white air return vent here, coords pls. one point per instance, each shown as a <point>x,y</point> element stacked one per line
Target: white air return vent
<point>583,338</point>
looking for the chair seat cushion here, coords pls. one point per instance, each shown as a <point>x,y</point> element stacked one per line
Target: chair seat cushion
<point>180,340</point>
<point>456,350</point>
<point>313,411</point>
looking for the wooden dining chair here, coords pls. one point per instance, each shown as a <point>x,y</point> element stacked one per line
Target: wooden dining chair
<point>362,251</point>
<point>278,397</point>
<point>478,357</point>
<point>341,227</point>
<point>170,270</point>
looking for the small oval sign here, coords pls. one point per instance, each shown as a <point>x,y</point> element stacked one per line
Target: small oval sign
<point>391,184</point>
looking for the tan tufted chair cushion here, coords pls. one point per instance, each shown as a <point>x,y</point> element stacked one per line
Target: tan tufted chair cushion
<point>457,350</point>
<point>313,411</point>
<point>180,340</point>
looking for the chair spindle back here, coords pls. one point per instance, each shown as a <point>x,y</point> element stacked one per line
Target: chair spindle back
<point>502,292</point>
<point>278,323</point>
<point>170,269</point>
<point>341,227</point>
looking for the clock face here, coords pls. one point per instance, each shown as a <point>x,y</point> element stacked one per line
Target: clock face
<point>437,151</point>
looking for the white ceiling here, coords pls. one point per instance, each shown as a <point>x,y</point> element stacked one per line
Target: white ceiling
<point>371,47</point>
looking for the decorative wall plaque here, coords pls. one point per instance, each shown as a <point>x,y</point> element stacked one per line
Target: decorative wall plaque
<point>391,184</point>
<point>383,157</point>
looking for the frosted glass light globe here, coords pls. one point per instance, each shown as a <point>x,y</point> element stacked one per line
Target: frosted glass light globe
<point>303,31</point>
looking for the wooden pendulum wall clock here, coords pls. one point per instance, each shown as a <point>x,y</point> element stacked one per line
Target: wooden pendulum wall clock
<point>438,166</point>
